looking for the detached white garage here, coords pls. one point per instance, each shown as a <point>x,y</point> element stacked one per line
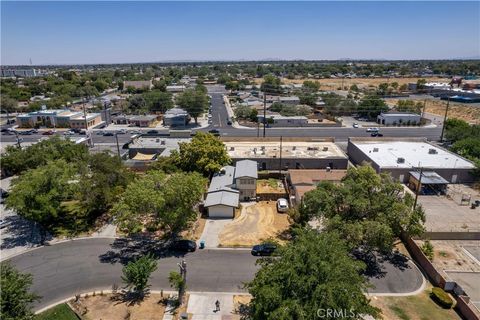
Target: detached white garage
<point>222,203</point>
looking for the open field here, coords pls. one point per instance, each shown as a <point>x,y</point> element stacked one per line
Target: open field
<point>255,224</point>
<point>418,307</point>
<point>462,111</point>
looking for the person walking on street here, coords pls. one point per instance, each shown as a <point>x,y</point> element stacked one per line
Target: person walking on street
<point>217,306</point>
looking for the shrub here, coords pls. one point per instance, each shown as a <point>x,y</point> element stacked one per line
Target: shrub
<point>441,297</point>
<point>427,249</point>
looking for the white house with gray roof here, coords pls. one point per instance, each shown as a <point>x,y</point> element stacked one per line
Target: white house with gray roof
<point>229,186</point>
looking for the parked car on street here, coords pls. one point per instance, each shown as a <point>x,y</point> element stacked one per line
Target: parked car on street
<point>265,249</point>
<point>108,134</point>
<point>184,245</point>
<point>48,133</point>
<point>372,129</point>
<point>215,132</point>
<point>355,125</point>
<point>152,132</point>
<point>282,205</point>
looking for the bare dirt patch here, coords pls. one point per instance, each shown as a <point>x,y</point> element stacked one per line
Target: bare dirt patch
<point>270,186</point>
<point>471,114</point>
<point>107,307</point>
<point>255,224</point>
<point>240,303</point>
<point>195,232</point>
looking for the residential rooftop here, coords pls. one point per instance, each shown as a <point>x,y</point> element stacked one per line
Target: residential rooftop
<point>290,149</point>
<point>408,154</point>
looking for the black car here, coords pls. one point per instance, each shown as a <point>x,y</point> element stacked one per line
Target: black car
<point>229,122</point>
<point>184,245</point>
<point>215,132</point>
<point>266,249</point>
<point>376,134</point>
<point>152,132</point>
<point>108,134</point>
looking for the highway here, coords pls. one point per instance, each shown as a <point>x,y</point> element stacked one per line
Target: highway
<point>62,270</point>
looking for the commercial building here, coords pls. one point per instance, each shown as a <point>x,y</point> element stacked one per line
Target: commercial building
<point>176,117</point>
<point>401,157</point>
<point>176,88</point>
<point>142,121</point>
<point>398,118</point>
<point>139,85</point>
<point>301,181</point>
<point>57,118</point>
<point>229,186</point>
<point>276,120</point>
<point>21,73</point>
<point>273,154</point>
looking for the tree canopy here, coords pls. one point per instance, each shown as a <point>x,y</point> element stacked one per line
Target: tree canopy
<point>371,106</point>
<point>161,201</point>
<point>369,210</point>
<point>15,296</point>
<point>205,154</point>
<point>194,101</point>
<point>137,273</point>
<point>314,272</point>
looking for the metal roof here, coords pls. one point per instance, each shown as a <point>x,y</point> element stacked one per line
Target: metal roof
<point>222,179</point>
<point>246,168</point>
<point>227,198</point>
<point>429,177</point>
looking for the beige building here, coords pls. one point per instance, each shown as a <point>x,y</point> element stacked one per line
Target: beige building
<point>78,122</point>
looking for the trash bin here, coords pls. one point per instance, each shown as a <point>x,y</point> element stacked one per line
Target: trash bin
<point>202,244</point>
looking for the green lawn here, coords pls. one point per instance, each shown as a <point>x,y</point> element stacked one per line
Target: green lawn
<point>418,307</point>
<point>60,312</point>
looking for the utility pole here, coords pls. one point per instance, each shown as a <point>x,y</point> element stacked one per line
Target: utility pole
<point>258,128</point>
<point>18,139</point>
<point>418,188</point>
<point>183,272</point>
<point>118,146</point>
<point>445,119</point>
<point>264,111</point>
<point>424,107</point>
<point>280,168</point>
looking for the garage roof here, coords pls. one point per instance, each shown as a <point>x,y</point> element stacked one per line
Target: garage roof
<point>429,177</point>
<point>225,197</point>
<point>246,168</point>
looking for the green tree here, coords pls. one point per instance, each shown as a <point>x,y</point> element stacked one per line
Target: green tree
<point>38,194</point>
<point>177,282</point>
<point>311,86</point>
<point>137,104</point>
<point>15,160</point>
<point>165,201</point>
<point>205,154</point>
<point>158,101</point>
<point>271,84</point>
<point>409,106</point>
<point>8,105</point>
<point>194,101</point>
<point>371,106</point>
<point>137,273</point>
<point>421,84</point>
<point>311,273</point>
<point>15,296</point>
<point>368,209</point>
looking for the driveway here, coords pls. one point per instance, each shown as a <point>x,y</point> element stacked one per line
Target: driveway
<point>211,231</point>
<point>68,268</point>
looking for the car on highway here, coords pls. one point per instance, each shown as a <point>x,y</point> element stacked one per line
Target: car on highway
<point>229,121</point>
<point>100,132</point>
<point>122,131</point>
<point>372,129</point>
<point>152,132</point>
<point>282,205</point>
<point>376,134</point>
<point>215,132</point>
<point>25,133</point>
<point>69,133</point>
<point>355,125</point>
<point>265,249</point>
<point>48,133</point>
<point>108,134</point>
<point>184,245</point>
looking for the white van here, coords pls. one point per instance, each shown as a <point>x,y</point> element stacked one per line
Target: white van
<point>282,205</point>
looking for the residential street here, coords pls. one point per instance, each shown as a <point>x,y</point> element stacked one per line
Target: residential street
<point>65,269</point>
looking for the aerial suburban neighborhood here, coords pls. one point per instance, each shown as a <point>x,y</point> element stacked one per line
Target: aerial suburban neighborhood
<point>156,165</point>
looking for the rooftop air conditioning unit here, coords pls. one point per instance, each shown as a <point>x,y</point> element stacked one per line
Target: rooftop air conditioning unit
<point>375,149</point>
<point>401,160</point>
<point>432,151</point>
<point>162,142</point>
<point>222,171</point>
<point>232,148</point>
<point>157,140</point>
<point>325,148</point>
<point>328,169</point>
<point>294,148</point>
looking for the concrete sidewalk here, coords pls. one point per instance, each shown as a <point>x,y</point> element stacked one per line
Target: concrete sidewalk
<point>202,305</point>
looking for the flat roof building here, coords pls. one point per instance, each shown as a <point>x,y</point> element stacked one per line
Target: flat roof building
<point>271,154</point>
<point>399,157</point>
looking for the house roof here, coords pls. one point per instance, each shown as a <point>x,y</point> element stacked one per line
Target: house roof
<point>143,118</point>
<point>301,190</point>
<point>246,168</point>
<point>312,177</point>
<point>225,197</point>
<point>222,179</point>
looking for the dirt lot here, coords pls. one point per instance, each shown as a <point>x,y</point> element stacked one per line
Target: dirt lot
<point>451,255</point>
<point>417,307</point>
<point>462,111</point>
<point>256,223</point>
<point>195,232</point>
<point>270,186</point>
<point>106,307</point>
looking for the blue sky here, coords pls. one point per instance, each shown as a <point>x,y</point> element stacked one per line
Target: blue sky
<point>115,32</point>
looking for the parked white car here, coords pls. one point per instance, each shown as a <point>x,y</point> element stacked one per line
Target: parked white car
<point>355,125</point>
<point>373,129</point>
<point>282,205</point>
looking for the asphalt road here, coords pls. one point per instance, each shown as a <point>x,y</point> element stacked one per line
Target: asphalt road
<point>65,269</point>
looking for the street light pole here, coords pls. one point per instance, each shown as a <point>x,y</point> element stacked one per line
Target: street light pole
<point>264,111</point>
<point>445,119</point>
<point>418,188</point>
<point>183,272</point>
<point>118,146</point>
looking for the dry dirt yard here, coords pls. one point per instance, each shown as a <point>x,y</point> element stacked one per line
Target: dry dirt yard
<point>106,307</point>
<point>256,223</point>
<point>270,186</point>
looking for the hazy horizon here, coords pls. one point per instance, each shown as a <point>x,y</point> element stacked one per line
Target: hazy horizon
<point>74,33</point>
